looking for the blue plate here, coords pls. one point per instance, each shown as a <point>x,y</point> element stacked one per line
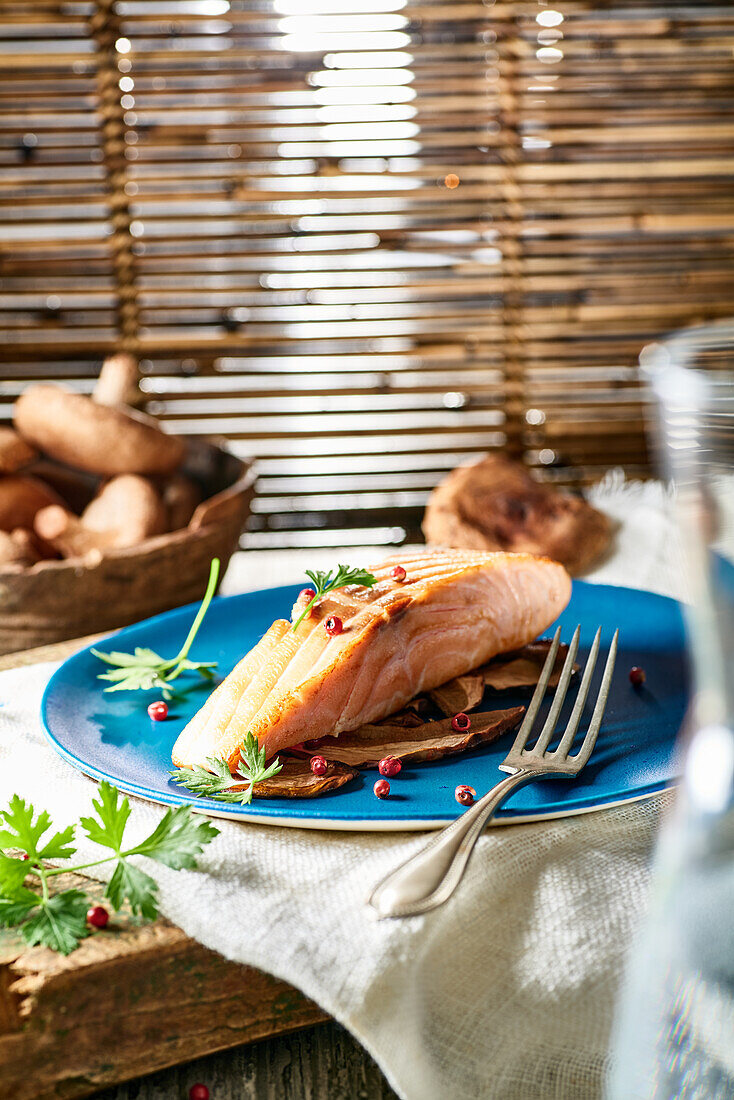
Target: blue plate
<point>111,737</point>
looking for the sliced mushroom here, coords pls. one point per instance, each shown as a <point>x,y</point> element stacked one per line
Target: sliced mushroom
<point>522,668</point>
<point>462,694</point>
<point>518,670</point>
<point>296,780</point>
<point>365,747</point>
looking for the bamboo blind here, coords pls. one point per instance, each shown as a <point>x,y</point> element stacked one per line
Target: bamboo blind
<point>366,239</point>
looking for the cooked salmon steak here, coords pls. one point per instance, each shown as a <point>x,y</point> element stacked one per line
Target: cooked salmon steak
<point>454,611</point>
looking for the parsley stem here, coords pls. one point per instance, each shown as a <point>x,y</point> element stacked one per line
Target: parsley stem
<point>210,589</point>
<point>93,863</point>
<point>81,866</point>
<point>325,583</point>
<point>306,610</point>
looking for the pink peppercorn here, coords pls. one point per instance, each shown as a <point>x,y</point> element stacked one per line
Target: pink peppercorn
<point>637,676</point>
<point>461,722</point>
<point>319,765</point>
<point>398,573</point>
<point>97,916</point>
<point>465,795</point>
<point>389,766</point>
<point>333,626</point>
<point>381,788</point>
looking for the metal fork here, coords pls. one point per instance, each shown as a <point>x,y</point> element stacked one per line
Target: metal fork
<point>429,878</point>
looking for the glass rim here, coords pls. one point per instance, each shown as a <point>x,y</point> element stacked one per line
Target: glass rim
<point>680,345</point>
<point>668,365</point>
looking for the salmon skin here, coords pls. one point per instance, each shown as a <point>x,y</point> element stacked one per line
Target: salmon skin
<point>454,611</point>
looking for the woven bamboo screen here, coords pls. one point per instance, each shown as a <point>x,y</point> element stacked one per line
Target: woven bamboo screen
<point>366,239</point>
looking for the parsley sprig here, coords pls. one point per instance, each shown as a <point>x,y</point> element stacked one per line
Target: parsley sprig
<point>58,920</point>
<point>145,669</point>
<point>325,582</point>
<point>216,781</point>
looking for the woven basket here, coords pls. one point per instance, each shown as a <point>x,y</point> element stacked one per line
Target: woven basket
<point>54,600</point>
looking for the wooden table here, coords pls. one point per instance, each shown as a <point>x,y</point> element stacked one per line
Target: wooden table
<point>138,998</point>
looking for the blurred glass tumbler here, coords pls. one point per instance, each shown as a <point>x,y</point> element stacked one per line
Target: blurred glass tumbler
<point>675,1030</point>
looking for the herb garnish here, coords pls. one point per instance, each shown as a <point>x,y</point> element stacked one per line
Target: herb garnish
<point>145,669</point>
<point>215,782</point>
<point>324,582</point>
<point>59,920</point>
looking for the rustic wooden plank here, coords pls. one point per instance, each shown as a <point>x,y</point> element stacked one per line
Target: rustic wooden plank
<point>57,651</point>
<point>320,1063</point>
<point>132,999</point>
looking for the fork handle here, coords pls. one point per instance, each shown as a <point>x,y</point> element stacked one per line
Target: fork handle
<point>427,879</point>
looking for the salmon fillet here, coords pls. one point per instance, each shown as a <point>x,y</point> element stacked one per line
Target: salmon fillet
<point>455,610</point>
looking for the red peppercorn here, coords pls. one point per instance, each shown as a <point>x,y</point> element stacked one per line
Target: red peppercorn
<point>389,766</point>
<point>97,916</point>
<point>333,626</point>
<point>398,573</point>
<point>465,795</point>
<point>198,1092</point>
<point>381,788</point>
<point>158,711</point>
<point>303,606</point>
<point>637,676</point>
<point>318,765</point>
<point>25,856</point>
<point>461,722</point>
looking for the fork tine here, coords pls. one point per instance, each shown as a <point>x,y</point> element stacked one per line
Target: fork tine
<point>558,699</point>
<point>590,740</point>
<point>534,705</point>
<point>573,722</point>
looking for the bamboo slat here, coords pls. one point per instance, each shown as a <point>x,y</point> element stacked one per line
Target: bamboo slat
<point>366,241</point>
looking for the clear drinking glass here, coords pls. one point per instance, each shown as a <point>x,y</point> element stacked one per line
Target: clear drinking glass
<point>675,1032</point>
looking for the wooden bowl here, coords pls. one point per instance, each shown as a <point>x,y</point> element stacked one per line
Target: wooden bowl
<point>55,600</point>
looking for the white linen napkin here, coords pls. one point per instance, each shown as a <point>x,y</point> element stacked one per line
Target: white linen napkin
<point>507,992</point>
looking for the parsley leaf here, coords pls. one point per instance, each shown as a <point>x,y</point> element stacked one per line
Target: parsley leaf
<point>60,845</point>
<point>211,781</point>
<point>325,583</point>
<point>13,873</point>
<point>177,839</point>
<point>217,783</point>
<point>14,910</point>
<point>112,815</point>
<point>252,766</point>
<point>140,657</point>
<point>25,833</point>
<point>129,883</point>
<point>59,922</point>
<point>145,669</point>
